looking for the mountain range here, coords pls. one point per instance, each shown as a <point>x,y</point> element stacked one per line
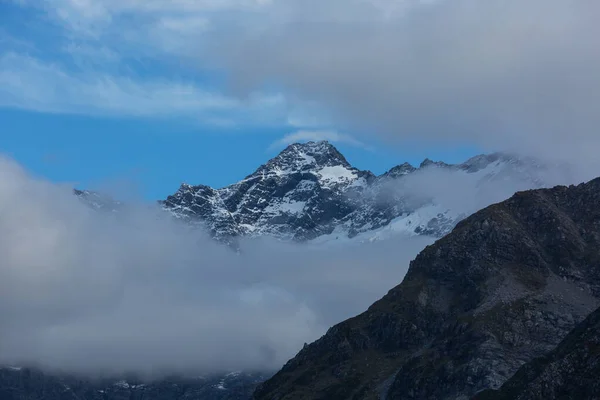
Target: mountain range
<point>310,192</point>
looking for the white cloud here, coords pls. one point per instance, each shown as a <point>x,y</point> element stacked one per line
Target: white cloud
<point>315,136</point>
<point>28,83</point>
<point>107,50</point>
<point>90,292</point>
<point>84,55</point>
<point>143,27</point>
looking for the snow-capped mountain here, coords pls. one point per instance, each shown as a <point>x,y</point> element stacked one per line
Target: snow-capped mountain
<point>310,192</point>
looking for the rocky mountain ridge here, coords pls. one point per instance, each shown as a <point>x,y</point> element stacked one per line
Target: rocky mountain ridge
<point>310,191</point>
<point>569,372</point>
<point>505,287</point>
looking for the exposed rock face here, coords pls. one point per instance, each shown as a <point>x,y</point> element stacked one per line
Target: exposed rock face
<point>571,371</point>
<point>27,384</point>
<point>506,286</point>
<point>296,195</point>
<point>311,191</point>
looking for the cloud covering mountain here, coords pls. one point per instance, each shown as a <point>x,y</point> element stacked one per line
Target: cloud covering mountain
<point>136,290</point>
<point>91,292</point>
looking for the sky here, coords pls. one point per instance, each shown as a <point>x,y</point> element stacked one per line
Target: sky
<point>86,100</point>
<point>155,93</point>
<point>150,159</point>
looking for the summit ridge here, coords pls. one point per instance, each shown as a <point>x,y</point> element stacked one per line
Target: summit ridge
<point>310,191</point>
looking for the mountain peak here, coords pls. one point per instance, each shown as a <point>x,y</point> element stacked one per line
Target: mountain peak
<point>312,145</point>
<point>428,162</point>
<point>309,156</point>
<point>400,170</point>
<point>322,151</point>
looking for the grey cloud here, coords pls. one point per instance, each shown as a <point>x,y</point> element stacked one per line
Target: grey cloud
<point>103,293</point>
<point>501,74</point>
<point>93,293</point>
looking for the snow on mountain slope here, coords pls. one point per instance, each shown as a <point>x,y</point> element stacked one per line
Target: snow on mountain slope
<point>310,192</point>
<point>300,195</point>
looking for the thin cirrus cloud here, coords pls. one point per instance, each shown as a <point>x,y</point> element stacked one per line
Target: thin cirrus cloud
<point>29,83</point>
<point>139,27</point>
<point>316,136</point>
<point>99,58</point>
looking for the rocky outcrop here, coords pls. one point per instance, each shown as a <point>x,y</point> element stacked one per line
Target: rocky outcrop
<point>570,372</point>
<point>505,287</point>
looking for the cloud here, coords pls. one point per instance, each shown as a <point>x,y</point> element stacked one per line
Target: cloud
<point>101,293</point>
<point>498,74</point>
<point>98,293</point>
<point>315,136</point>
<point>464,193</point>
<point>140,27</point>
<point>32,84</point>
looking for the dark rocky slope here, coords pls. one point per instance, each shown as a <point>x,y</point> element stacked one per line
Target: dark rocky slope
<point>571,371</point>
<point>503,288</point>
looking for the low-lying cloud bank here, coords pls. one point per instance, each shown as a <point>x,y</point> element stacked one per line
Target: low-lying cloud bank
<point>101,293</point>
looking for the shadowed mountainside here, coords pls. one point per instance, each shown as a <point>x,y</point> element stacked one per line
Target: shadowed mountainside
<point>506,286</point>
<point>569,372</point>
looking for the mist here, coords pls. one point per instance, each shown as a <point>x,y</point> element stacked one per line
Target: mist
<point>100,293</point>
<point>464,192</point>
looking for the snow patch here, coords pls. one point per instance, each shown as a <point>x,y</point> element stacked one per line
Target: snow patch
<point>335,175</point>
<point>221,385</point>
<point>293,207</point>
<point>286,206</point>
<point>306,159</point>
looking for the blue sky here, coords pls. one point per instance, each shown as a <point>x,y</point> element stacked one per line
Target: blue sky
<point>106,94</point>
